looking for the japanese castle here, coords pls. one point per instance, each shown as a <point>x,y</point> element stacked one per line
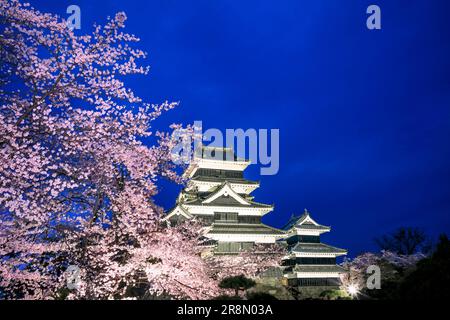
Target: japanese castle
<point>218,194</point>
<point>310,262</point>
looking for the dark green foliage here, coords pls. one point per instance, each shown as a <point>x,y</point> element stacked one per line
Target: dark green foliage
<point>391,277</point>
<point>237,283</point>
<point>140,287</point>
<point>260,296</point>
<point>226,297</point>
<point>428,280</point>
<point>137,291</point>
<point>62,293</point>
<point>334,295</point>
<point>431,279</point>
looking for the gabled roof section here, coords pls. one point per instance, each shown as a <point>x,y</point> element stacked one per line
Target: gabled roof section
<point>227,202</point>
<point>178,211</point>
<point>225,191</point>
<point>304,222</point>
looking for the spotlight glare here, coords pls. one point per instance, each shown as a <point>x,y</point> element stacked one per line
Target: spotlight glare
<point>352,290</point>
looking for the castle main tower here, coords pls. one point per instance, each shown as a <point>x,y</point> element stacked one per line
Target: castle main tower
<point>218,193</point>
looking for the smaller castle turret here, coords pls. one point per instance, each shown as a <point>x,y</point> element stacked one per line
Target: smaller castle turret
<point>310,263</point>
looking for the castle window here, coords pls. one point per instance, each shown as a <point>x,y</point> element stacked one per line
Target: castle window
<point>225,217</point>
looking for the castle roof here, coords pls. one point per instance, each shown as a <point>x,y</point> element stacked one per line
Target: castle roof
<point>226,196</point>
<point>226,202</point>
<point>306,247</point>
<point>304,222</point>
<point>243,228</point>
<point>178,210</point>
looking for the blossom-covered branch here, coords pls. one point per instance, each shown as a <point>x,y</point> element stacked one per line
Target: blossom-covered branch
<point>76,178</point>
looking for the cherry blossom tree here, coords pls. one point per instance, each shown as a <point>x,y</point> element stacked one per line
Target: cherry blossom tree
<point>77,170</point>
<point>389,263</point>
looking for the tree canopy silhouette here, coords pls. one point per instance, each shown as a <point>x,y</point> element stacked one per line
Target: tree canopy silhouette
<point>404,240</point>
<point>431,279</point>
<point>237,283</point>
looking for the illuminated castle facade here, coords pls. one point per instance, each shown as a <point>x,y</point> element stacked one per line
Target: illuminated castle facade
<point>218,194</point>
<point>310,262</point>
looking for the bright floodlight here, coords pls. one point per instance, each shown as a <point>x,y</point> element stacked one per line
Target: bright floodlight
<point>352,289</point>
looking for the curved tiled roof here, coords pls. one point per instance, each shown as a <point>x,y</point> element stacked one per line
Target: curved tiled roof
<point>244,228</point>
<point>312,227</point>
<point>226,200</point>
<point>305,247</point>
<point>300,223</point>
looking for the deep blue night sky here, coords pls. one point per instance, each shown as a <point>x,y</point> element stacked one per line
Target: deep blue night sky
<point>364,116</point>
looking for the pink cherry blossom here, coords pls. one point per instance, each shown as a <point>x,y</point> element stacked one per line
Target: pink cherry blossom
<point>76,178</point>
<point>78,174</point>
